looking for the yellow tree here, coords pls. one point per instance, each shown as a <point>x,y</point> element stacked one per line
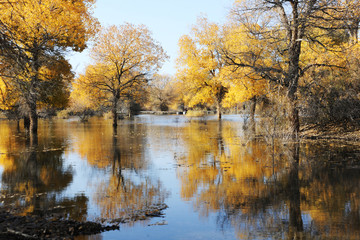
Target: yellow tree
<point>53,92</point>
<point>285,27</point>
<point>7,97</point>
<point>200,65</point>
<point>36,35</point>
<point>125,56</point>
<point>162,93</point>
<point>245,84</point>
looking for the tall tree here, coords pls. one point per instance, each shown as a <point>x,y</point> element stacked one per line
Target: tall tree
<point>245,84</point>
<point>284,26</point>
<point>35,35</point>
<point>125,56</point>
<point>162,93</point>
<point>200,65</point>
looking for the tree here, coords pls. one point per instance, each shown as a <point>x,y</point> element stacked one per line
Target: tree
<point>284,26</point>
<point>35,35</point>
<point>124,57</point>
<point>82,101</point>
<point>200,65</point>
<point>162,93</point>
<point>245,84</point>
<point>53,93</point>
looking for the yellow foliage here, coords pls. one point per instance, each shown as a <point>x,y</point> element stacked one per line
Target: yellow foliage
<point>123,58</point>
<point>200,64</point>
<point>8,97</point>
<point>53,22</point>
<point>40,33</point>
<point>245,83</point>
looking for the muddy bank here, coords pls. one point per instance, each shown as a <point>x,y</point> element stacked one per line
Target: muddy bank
<point>330,132</point>
<point>34,227</point>
<point>13,226</point>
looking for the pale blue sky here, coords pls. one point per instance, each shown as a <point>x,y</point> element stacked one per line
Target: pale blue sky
<point>167,19</point>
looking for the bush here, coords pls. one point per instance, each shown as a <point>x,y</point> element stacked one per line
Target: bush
<point>108,115</point>
<point>196,113</point>
<point>63,114</point>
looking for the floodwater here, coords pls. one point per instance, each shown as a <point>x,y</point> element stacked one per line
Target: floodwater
<point>217,182</point>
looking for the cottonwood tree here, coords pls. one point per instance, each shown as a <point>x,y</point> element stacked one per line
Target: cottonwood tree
<point>162,92</point>
<point>34,36</point>
<point>53,92</point>
<point>200,65</point>
<point>284,26</point>
<point>245,84</point>
<point>124,57</point>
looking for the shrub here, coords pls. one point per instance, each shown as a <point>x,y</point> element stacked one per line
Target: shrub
<point>63,114</point>
<point>196,113</point>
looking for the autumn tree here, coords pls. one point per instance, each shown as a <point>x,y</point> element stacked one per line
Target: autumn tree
<point>53,92</point>
<point>34,36</point>
<point>284,26</point>
<point>162,92</point>
<point>124,57</point>
<point>200,65</point>
<point>245,84</point>
<point>82,103</point>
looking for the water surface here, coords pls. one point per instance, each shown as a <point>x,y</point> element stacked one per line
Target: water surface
<point>218,182</point>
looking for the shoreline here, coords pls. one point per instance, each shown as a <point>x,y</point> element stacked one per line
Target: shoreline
<point>13,226</point>
<point>329,132</point>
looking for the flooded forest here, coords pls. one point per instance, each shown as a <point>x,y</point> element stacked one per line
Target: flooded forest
<point>255,136</point>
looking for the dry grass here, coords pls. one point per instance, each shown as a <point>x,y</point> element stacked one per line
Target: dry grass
<point>196,113</point>
<point>331,131</point>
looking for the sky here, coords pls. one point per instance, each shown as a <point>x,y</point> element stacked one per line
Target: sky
<point>168,20</point>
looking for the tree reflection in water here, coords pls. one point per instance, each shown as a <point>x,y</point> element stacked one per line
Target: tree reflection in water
<point>128,190</point>
<point>288,190</point>
<point>34,173</point>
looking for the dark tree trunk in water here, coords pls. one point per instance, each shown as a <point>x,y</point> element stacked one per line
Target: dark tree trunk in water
<point>33,119</point>
<point>218,109</point>
<point>115,117</point>
<point>27,123</point>
<point>114,113</point>
<point>219,98</point>
<point>252,114</point>
<point>294,117</point>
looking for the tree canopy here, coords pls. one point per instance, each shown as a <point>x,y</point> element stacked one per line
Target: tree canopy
<point>124,57</point>
<point>34,36</point>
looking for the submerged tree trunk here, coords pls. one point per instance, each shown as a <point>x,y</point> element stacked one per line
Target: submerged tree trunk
<point>218,109</point>
<point>219,98</point>
<point>33,118</point>
<point>294,117</point>
<point>114,112</point>
<point>114,116</point>
<point>252,114</point>
<point>26,123</point>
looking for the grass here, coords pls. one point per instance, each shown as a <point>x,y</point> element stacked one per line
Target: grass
<point>196,113</point>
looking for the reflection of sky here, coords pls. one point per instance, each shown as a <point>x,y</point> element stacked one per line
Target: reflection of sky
<point>183,220</point>
<point>84,179</point>
<point>164,142</point>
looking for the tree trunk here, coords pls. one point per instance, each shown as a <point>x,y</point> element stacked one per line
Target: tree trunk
<point>115,117</point>
<point>33,117</point>
<point>27,123</point>
<point>218,109</point>
<point>33,91</point>
<point>114,113</point>
<point>294,117</point>
<point>252,113</point>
